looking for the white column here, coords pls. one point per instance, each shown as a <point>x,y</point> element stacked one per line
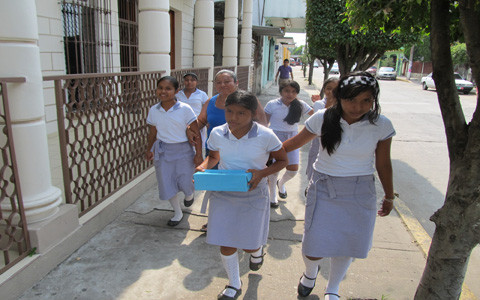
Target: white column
<point>246,39</point>
<point>203,39</point>
<point>154,35</point>
<point>20,57</point>
<point>230,33</point>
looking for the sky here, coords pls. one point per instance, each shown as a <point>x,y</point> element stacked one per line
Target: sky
<point>299,38</point>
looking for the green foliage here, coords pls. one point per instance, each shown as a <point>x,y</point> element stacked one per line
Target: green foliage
<point>298,50</point>
<point>459,54</point>
<point>422,50</point>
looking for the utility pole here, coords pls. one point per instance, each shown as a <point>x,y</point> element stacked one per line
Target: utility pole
<point>410,63</point>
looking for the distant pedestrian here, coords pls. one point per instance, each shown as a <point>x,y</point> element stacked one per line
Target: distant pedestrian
<point>285,72</point>
<point>284,115</point>
<point>240,220</point>
<point>167,145</point>
<point>329,100</point>
<point>341,203</point>
<point>192,96</point>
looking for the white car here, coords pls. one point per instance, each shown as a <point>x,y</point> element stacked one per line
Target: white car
<point>387,73</point>
<point>463,85</point>
<point>334,69</point>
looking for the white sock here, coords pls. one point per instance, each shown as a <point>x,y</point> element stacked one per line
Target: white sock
<point>272,187</point>
<point>258,254</point>
<point>286,177</point>
<point>188,198</point>
<point>177,209</point>
<point>230,263</point>
<point>338,269</point>
<point>311,270</point>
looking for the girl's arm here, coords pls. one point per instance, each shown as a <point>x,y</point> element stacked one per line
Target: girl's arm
<point>281,161</point>
<point>193,138</point>
<point>210,161</point>
<point>260,115</point>
<point>197,160</point>
<point>311,112</point>
<point>268,116</point>
<point>299,140</point>
<point>151,138</point>
<point>383,164</point>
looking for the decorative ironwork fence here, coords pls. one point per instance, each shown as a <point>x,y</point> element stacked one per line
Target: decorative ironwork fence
<point>102,130</point>
<point>202,74</point>
<point>243,75</point>
<point>14,240</point>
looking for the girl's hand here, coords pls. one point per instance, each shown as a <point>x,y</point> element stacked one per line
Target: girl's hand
<point>199,168</point>
<point>192,136</point>
<point>315,98</point>
<point>149,155</point>
<point>198,159</point>
<point>386,208</point>
<point>256,178</point>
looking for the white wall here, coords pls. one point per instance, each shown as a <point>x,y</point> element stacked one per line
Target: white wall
<point>184,14</point>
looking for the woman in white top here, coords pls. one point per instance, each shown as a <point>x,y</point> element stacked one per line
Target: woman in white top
<point>341,202</point>
<point>241,219</point>
<point>284,115</point>
<point>168,146</point>
<point>327,89</point>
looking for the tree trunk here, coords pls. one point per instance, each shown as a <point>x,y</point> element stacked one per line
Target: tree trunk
<point>310,72</point>
<point>458,221</point>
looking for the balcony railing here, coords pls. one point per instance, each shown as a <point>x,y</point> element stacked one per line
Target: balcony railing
<point>14,241</point>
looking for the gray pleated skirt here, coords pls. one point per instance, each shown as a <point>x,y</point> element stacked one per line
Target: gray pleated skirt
<point>293,156</point>
<point>174,168</point>
<point>312,156</point>
<point>339,216</point>
<point>239,219</point>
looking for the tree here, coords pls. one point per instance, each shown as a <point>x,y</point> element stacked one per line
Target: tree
<point>457,222</point>
<point>422,50</point>
<point>328,30</point>
<point>460,56</point>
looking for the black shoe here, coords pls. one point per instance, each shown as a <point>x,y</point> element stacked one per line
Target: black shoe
<point>174,223</point>
<point>256,266</point>
<point>280,194</point>
<point>306,191</point>
<point>302,290</point>
<point>238,292</point>
<point>188,203</point>
<point>274,204</point>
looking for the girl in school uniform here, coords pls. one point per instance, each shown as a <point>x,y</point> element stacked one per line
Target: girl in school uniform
<point>168,146</point>
<point>341,202</point>
<point>240,220</point>
<point>284,114</point>
<point>327,90</point>
<point>192,96</point>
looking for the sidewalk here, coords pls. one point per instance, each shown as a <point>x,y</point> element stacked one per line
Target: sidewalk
<point>139,257</point>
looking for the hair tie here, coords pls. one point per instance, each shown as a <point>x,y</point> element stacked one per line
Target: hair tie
<point>361,80</point>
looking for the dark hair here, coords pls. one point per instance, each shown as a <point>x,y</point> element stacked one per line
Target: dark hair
<point>194,76</point>
<point>243,98</point>
<point>349,87</point>
<point>286,60</point>
<point>172,80</point>
<point>295,107</point>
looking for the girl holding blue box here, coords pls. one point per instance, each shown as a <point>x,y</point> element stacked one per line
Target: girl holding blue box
<point>168,146</point>
<point>240,220</point>
<point>284,115</point>
<point>341,202</point>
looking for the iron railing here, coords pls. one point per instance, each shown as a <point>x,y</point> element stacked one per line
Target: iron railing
<point>202,74</point>
<point>14,240</point>
<point>102,131</point>
<point>243,73</point>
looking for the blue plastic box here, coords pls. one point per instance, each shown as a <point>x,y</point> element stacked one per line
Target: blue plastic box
<point>222,180</point>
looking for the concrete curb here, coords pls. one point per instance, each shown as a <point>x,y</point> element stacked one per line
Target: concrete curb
<point>422,239</point>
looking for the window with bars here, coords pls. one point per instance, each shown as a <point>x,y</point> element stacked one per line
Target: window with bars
<point>87,36</point>
<point>128,24</point>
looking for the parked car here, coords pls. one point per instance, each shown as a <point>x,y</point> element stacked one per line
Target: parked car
<point>372,70</point>
<point>463,86</point>
<point>387,73</point>
<point>315,64</point>
<point>334,69</point>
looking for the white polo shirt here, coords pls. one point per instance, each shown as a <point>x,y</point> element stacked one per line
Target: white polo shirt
<point>320,104</point>
<point>278,111</point>
<point>356,152</point>
<point>196,101</point>
<point>172,124</point>
<point>249,152</point>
